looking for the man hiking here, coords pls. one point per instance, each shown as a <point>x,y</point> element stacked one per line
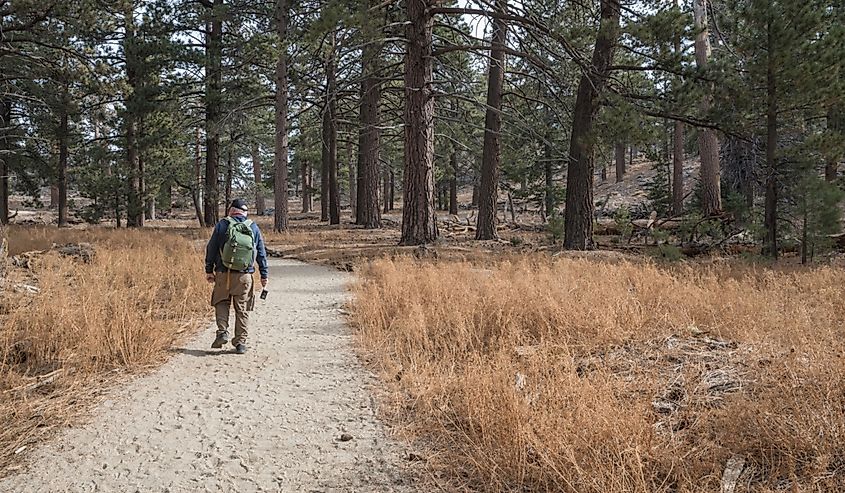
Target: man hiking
<point>230,256</point>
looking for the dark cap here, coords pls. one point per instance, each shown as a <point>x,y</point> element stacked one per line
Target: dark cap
<point>239,204</point>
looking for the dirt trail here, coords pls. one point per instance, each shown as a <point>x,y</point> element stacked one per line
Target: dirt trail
<point>269,420</point>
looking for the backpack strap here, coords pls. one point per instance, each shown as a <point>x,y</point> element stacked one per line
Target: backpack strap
<point>248,223</point>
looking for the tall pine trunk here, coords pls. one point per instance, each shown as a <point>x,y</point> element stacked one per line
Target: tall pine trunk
<point>54,189</point>
<point>5,146</point>
<point>453,183</point>
<point>708,143</point>
<point>488,196</point>
<point>578,216</point>
<point>196,191</point>
<point>150,210</point>
<point>4,249</point>
<point>353,185</point>
<point>134,205</point>
<point>677,149</point>
<point>548,175</point>
<point>619,155</point>
<point>330,135</point>
<point>391,200</point>
<point>367,208</point>
<point>419,220</point>
<point>835,126</point>
<point>280,161</point>
<point>63,134</point>
<point>213,101</point>
<point>831,170</point>
<point>678,169</point>
<point>167,196</point>
<point>385,189</point>
<point>228,180</point>
<point>142,182</point>
<point>325,136</point>
<point>305,171</point>
<point>770,220</point>
<point>330,193</point>
<point>147,202</point>
<point>258,177</point>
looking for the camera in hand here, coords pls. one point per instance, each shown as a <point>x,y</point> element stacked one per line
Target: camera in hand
<point>264,294</point>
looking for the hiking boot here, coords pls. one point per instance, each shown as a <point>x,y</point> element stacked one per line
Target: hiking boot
<point>222,338</point>
<point>240,349</point>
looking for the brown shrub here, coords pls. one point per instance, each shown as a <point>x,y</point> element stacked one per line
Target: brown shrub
<point>120,312</point>
<point>576,375</point>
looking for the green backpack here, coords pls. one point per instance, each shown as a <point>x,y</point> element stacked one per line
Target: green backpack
<point>238,252</point>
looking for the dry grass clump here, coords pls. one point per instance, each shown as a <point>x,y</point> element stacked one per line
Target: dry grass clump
<point>120,312</point>
<point>28,238</point>
<point>584,376</point>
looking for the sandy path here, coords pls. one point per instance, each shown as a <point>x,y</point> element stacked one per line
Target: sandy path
<point>265,421</point>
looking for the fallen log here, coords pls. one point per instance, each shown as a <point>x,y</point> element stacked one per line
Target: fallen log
<point>838,241</point>
<point>39,381</point>
<point>81,251</point>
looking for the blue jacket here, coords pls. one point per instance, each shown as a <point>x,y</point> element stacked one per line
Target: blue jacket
<point>213,262</point>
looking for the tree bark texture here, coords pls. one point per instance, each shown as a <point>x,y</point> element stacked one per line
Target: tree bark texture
<point>280,161</point>
<point>453,183</point>
<point>353,182</point>
<point>419,220</point>
<point>770,220</point>
<point>258,177</point>
<point>835,126</point>
<point>63,134</point>
<point>213,101</point>
<point>488,197</point>
<point>392,200</point>
<point>619,156</point>
<point>196,191</point>
<point>330,136</point>
<point>367,212</point>
<point>134,205</point>
<point>549,202</point>
<point>385,189</point>
<point>5,147</point>
<point>677,150</point>
<point>305,171</point>
<point>708,142</point>
<point>678,169</point>
<point>578,216</point>
<point>230,165</point>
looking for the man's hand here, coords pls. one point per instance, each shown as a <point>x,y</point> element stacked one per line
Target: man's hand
<point>209,278</point>
<point>264,282</point>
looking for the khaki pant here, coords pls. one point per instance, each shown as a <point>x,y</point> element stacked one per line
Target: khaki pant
<point>233,288</point>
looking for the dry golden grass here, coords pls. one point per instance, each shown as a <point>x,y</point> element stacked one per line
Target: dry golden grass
<point>585,376</point>
<point>119,313</point>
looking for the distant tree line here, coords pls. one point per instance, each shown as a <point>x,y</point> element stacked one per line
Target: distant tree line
<point>364,103</point>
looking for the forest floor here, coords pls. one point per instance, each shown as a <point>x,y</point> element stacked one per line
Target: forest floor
<point>296,413</point>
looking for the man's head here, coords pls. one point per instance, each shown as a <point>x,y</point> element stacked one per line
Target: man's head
<point>238,208</point>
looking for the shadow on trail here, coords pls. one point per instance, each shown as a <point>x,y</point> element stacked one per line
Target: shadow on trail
<point>201,352</point>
